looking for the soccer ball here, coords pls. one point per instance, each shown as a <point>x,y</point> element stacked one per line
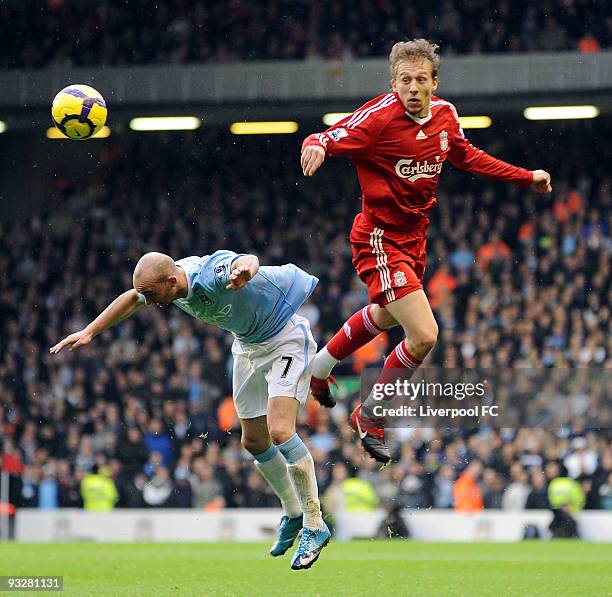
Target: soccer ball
<point>79,111</point>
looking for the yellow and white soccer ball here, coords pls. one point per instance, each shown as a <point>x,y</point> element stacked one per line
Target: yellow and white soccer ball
<point>79,111</point>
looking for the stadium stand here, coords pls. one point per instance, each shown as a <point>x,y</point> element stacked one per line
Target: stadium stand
<point>141,32</point>
<point>517,280</point>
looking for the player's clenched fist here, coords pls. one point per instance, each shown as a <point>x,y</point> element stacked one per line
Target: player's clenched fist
<point>541,181</point>
<point>312,158</point>
<point>73,341</point>
<point>239,277</point>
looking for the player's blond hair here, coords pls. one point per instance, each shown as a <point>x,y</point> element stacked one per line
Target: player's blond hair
<point>415,49</point>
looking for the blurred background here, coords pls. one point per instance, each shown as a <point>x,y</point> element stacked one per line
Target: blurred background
<point>517,280</point>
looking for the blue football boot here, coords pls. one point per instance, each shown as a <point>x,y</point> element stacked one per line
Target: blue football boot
<point>309,549</point>
<point>288,530</point>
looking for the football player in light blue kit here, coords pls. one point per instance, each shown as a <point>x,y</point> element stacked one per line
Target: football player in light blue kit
<point>273,353</point>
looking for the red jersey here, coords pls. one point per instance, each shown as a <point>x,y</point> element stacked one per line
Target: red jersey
<point>399,157</point>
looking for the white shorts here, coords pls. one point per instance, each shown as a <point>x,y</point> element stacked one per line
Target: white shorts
<point>281,366</point>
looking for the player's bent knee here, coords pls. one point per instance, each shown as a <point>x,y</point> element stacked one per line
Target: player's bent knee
<point>281,434</point>
<point>255,445</point>
<point>422,343</point>
<point>382,318</point>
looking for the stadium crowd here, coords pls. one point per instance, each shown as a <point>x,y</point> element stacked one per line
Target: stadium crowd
<point>516,280</point>
<point>115,32</point>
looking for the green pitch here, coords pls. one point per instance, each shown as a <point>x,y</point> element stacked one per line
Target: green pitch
<point>360,568</point>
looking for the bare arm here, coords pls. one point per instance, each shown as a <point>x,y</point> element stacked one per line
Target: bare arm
<point>121,308</point>
<point>243,270</point>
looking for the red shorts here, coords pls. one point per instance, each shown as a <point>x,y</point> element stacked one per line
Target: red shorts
<point>391,264</point>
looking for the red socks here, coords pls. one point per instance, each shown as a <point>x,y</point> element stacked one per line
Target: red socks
<point>400,358</point>
<point>358,330</point>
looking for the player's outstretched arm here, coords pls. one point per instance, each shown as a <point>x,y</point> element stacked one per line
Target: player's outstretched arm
<point>121,308</point>
<point>243,270</point>
<point>354,135</point>
<point>464,155</point>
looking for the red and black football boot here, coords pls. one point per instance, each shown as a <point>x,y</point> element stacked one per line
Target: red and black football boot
<point>372,434</point>
<point>319,388</point>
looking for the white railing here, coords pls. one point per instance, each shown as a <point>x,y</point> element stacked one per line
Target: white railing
<point>259,525</point>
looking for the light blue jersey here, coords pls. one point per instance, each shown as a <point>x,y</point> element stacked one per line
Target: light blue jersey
<point>254,313</point>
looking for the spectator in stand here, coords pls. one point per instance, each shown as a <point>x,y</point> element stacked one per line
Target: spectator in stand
<point>205,488</point>
<point>582,460</point>
<point>388,486</point>
<point>467,495</point>
<point>233,481</point>
<point>29,486</point>
<point>157,440</point>
<point>359,495</point>
<point>494,252</point>
<point>538,496</point>
<point>414,489</point>
<point>132,490</point>
<point>587,44</point>
<point>132,451</point>
<point>443,487</point>
<point>11,460</point>
<point>48,489</point>
<point>257,493</point>
<point>182,496</point>
<point>494,489</point>
<point>157,491</point>
<point>566,492</point>
<point>332,499</point>
<point>69,495</point>
<point>98,491</point>
<point>441,286</point>
<point>516,493</point>
<point>605,494</point>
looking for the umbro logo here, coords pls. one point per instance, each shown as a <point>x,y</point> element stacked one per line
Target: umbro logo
<point>205,300</point>
<point>421,135</point>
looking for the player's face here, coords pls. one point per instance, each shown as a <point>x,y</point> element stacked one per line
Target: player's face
<point>414,83</point>
<point>160,294</point>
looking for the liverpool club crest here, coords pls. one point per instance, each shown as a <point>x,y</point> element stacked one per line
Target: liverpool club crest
<point>399,278</point>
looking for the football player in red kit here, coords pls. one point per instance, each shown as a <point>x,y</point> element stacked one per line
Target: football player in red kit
<point>399,143</point>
